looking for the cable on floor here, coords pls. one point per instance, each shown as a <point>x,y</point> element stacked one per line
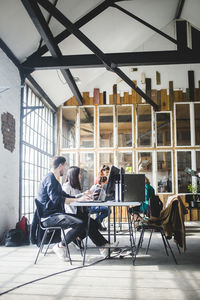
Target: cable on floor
<point>50,275</point>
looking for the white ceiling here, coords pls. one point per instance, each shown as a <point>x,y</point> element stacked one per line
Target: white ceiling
<point>111,31</point>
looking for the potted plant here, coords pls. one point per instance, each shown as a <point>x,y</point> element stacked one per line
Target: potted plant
<point>194,189</point>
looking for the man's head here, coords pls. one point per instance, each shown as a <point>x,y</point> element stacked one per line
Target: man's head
<point>58,164</point>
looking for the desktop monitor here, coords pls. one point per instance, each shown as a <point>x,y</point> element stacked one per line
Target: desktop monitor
<point>113,178</point>
<point>133,187</point>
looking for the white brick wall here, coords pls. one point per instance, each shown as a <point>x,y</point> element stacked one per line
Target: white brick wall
<point>9,162</point>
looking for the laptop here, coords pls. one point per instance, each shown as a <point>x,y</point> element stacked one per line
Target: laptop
<point>101,197</point>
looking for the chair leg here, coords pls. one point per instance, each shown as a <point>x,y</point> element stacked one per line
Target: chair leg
<point>140,240</point>
<point>47,248</point>
<point>149,241</point>
<point>41,246</point>
<point>67,247</point>
<point>82,247</point>
<point>172,253</point>
<point>179,251</point>
<point>164,241</point>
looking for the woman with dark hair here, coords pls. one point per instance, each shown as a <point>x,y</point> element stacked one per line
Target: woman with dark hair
<point>73,188</point>
<point>104,172</point>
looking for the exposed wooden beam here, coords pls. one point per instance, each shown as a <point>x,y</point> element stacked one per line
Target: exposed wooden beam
<point>48,21</point>
<point>195,40</point>
<point>181,32</point>
<point>41,92</point>
<point>123,59</point>
<point>81,22</point>
<point>179,9</point>
<point>10,54</point>
<point>43,28</point>
<point>13,58</point>
<point>111,66</point>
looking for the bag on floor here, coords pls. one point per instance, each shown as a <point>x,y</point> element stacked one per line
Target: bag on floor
<point>24,225</point>
<point>14,238</point>
<point>18,236</point>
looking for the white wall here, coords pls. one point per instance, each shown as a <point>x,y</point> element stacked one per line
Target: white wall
<point>9,161</point>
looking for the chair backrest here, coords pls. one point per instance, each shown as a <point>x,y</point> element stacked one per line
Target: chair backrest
<point>155,206</point>
<point>39,207</point>
<point>38,232</point>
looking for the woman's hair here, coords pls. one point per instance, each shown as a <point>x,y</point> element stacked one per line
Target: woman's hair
<point>72,177</point>
<point>147,180</point>
<point>105,168</point>
<point>102,179</point>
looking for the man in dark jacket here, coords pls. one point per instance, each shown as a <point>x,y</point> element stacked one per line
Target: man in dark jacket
<point>53,198</point>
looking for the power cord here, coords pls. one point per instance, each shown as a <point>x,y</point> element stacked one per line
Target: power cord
<point>50,275</point>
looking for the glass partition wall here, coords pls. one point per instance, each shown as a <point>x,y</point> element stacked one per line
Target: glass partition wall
<point>110,134</point>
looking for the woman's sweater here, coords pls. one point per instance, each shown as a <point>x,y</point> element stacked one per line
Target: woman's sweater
<point>67,188</point>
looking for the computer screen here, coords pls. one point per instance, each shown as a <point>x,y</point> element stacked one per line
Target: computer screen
<point>113,177</point>
<point>133,187</point>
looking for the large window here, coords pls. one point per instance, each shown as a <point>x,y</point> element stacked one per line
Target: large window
<point>86,163</point>
<point>164,171</point>
<point>144,164</point>
<point>124,123</point>
<point>163,126</point>
<point>183,132</point>
<point>184,160</point>
<point>146,143</point>
<point>198,160</point>
<point>125,161</point>
<point>197,123</point>
<point>37,148</point>
<point>106,127</point>
<point>144,126</point>
<point>71,160</point>
<point>105,158</point>
<point>87,128</point>
<point>69,127</point>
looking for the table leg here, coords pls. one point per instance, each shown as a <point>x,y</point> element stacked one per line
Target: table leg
<point>86,239</point>
<point>109,234</point>
<point>132,241</point>
<point>114,220</point>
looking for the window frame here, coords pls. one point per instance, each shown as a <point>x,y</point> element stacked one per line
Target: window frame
<point>171,132</point>
<point>152,127</point>
<point>98,127</point>
<point>172,170</point>
<point>132,126</point>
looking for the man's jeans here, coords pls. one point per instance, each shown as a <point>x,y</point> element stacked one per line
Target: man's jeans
<point>65,221</point>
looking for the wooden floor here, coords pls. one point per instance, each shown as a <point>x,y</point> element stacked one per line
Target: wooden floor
<point>154,276</point>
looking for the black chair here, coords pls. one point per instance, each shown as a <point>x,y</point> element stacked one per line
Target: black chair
<point>48,230</point>
<point>145,226</point>
<point>153,228</point>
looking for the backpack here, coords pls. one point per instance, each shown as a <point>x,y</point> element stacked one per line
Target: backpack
<point>155,206</point>
<point>18,236</point>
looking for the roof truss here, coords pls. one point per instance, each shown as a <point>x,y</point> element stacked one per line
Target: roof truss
<point>41,25</point>
<point>123,59</point>
<point>43,28</point>
<point>112,61</point>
